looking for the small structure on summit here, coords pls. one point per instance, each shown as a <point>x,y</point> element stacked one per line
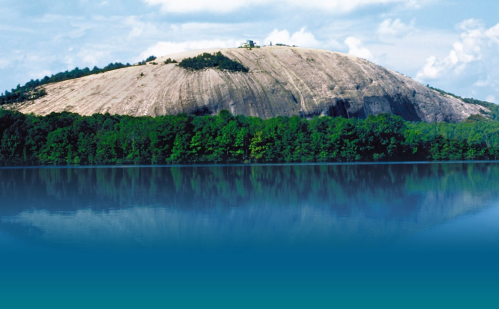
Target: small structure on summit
<point>248,44</point>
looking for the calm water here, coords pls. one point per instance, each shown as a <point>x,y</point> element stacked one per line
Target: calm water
<point>297,236</point>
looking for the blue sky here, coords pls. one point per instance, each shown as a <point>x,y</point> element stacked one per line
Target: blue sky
<point>449,44</point>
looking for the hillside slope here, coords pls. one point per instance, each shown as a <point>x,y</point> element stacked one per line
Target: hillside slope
<point>282,81</point>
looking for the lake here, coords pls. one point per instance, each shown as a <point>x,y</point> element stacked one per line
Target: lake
<point>251,236</point>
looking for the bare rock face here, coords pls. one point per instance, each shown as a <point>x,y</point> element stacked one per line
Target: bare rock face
<point>282,81</point>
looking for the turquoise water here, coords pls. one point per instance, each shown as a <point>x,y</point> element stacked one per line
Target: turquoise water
<point>293,236</point>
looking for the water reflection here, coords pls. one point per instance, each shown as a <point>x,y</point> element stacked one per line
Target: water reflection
<point>476,231</point>
<point>331,205</point>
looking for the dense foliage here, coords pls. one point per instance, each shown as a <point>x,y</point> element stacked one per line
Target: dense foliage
<point>216,60</point>
<point>67,138</point>
<point>32,90</point>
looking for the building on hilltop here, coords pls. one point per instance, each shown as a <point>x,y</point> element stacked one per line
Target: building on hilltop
<point>248,44</point>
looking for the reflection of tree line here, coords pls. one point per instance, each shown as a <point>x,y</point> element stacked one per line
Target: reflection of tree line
<point>375,191</point>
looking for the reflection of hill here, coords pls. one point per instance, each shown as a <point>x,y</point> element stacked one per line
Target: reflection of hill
<point>174,205</point>
<point>160,227</point>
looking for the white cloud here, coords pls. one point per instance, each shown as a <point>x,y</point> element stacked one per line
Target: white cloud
<point>356,48</point>
<point>91,57</point>
<point>224,6</point>
<point>167,48</point>
<point>299,38</point>
<point>409,53</point>
<point>139,28</point>
<point>491,98</point>
<point>473,61</point>
<point>431,70</point>
<point>417,4</point>
<point>474,38</point>
<point>395,27</point>
<point>493,33</point>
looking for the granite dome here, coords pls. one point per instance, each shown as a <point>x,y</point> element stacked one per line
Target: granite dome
<point>282,81</point>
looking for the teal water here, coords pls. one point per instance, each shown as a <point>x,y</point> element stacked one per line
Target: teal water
<point>290,236</point>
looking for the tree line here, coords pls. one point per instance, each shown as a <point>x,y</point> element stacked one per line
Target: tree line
<point>66,138</point>
<point>32,90</point>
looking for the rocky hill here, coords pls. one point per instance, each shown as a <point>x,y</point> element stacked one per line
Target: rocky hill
<point>282,81</point>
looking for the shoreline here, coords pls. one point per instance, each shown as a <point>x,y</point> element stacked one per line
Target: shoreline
<point>246,164</point>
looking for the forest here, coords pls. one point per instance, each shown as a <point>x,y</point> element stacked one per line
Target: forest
<point>216,60</point>
<point>66,138</point>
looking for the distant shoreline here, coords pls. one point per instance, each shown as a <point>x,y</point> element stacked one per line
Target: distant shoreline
<point>242,164</point>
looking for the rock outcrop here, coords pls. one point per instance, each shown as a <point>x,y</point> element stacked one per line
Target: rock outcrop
<point>282,81</point>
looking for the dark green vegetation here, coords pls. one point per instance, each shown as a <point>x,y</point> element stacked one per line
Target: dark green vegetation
<point>169,60</point>
<point>217,60</point>
<point>150,58</point>
<point>67,138</point>
<point>32,90</point>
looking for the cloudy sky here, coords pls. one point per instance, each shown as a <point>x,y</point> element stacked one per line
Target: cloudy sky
<point>449,44</point>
